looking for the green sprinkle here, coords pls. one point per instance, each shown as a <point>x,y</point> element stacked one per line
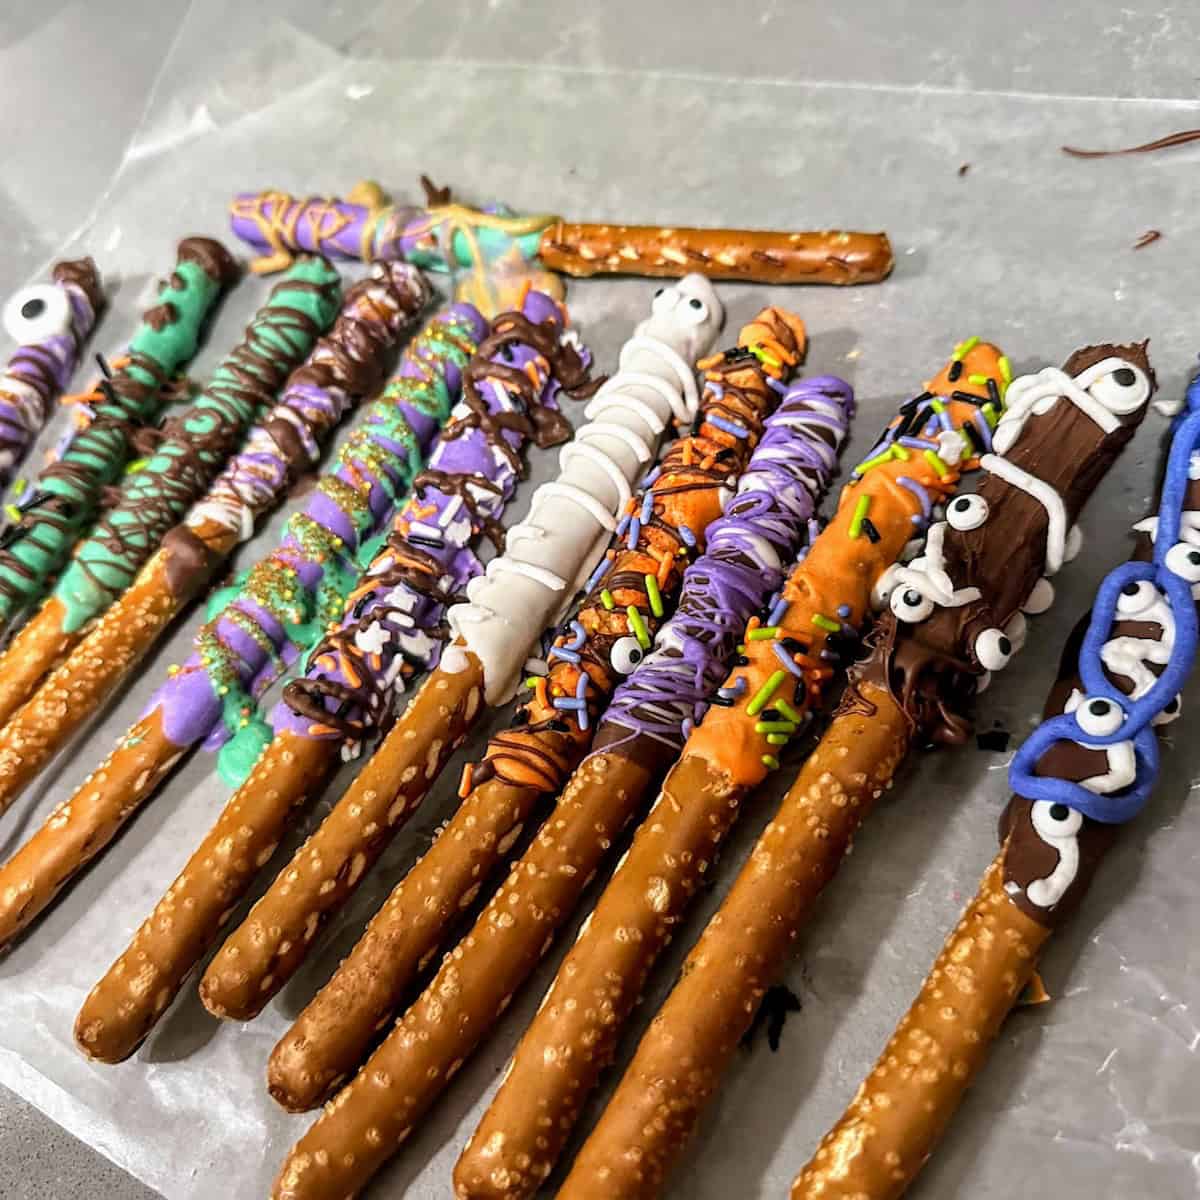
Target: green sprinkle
<point>12,512</point>
<point>774,727</point>
<point>878,461</point>
<point>606,598</point>
<point>964,348</point>
<point>638,626</point>
<point>901,453</point>
<point>765,634</point>
<point>788,711</point>
<point>936,463</point>
<point>770,762</point>
<point>18,488</point>
<point>978,380</point>
<point>741,648</point>
<point>860,511</point>
<point>764,693</point>
<point>532,681</point>
<point>1005,369</point>
<point>654,595</point>
<point>937,405</point>
<point>990,415</point>
<point>821,621</point>
<point>138,464</point>
<point>777,739</point>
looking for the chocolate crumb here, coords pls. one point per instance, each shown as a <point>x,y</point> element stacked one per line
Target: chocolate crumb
<point>1151,235</point>
<point>963,169</point>
<point>778,1001</point>
<point>995,740</point>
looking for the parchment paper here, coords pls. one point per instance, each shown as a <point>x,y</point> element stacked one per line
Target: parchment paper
<point>639,112</point>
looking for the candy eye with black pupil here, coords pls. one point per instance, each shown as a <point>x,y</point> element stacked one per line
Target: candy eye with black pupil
<point>625,655</point>
<point>1169,712</point>
<point>1054,821</point>
<point>696,303</point>
<point>1183,560</point>
<point>695,312</point>
<point>1099,717</point>
<point>993,649</point>
<point>909,605</point>
<point>1124,376</point>
<point>967,512</point>
<point>1136,597</point>
<point>37,313</point>
<point>1121,390</point>
<point>1059,812</point>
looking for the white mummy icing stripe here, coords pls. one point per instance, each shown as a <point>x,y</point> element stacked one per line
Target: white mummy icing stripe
<point>1057,826</point>
<point>557,546</point>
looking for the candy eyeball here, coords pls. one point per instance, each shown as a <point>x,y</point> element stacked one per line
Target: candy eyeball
<point>1137,597</point>
<point>666,300</point>
<point>693,311</point>
<point>1099,717</point>
<point>881,593</point>
<point>1054,821</point>
<point>1184,560</point>
<point>625,655</point>
<point>966,512</point>
<point>1122,390</point>
<point>909,605</point>
<point>993,649</point>
<point>37,313</point>
<point>1169,712</point>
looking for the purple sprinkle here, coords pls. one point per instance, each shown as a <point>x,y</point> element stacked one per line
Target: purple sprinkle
<point>565,654</point>
<point>778,610</point>
<point>689,538</point>
<point>635,532</point>
<point>917,490</point>
<point>917,519</point>
<point>786,660</point>
<point>651,477</point>
<point>566,704</point>
<point>581,686</point>
<point>622,525</point>
<point>598,574</point>
<point>686,728</point>
<point>914,443</point>
<point>828,655</point>
<point>580,636</point>
<point>843,611</point>
<point>985,430</point>
<point>777,385</point>
<point>737,431</point>
<point>647,507</point>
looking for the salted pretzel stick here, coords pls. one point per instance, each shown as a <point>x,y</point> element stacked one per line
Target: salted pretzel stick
<point>627,596</point>
<point>446,236</point>
<point>189,917</point>
<point>282,596</point>
<point>746,549</point>
<point>764,702</point>
<point>955,613</point>
<point>344,366</point>
<point>50,322</point>
<point>1118,681</point>
<point>394,626</point>
<point>65,496</point>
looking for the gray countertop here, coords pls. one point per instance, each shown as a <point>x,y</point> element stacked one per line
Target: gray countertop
<point>784,114</point>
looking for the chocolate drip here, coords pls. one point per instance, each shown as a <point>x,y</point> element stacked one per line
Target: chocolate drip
<point>81,273</point>
<point>187,562</point>
<point>211,257</point>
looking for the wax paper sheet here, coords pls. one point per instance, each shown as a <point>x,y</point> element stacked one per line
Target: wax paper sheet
<point>940,125</point>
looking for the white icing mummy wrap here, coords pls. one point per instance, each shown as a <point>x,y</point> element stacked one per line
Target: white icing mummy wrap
<point>571,519</point>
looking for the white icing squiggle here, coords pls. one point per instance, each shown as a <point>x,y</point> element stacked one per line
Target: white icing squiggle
<point>556,547</point>
<point>1046,496</point>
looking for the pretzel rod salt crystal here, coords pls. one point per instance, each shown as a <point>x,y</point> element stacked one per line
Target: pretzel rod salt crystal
<point>761,528</point>
<point>446,236</point>
<point>344,366</point>
<point>1087,770</point>
<point>65,496</point>
<point>190,916</point>
<point>50,322</point>
<point>627,596</point>
<point>394,626</point>
<point>371,469</point>
<point>956,613</point>
<point>763,703</point>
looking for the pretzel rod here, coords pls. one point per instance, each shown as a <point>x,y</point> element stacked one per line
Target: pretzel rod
<point>394,626</point>
<point>955,613</point>
<point>50,321</point>
<point>65,496</point>
<point>763,703</point>
<point>343,366</point>
<point>190,916</point>
<point>500,246</point>
<point>373,466</point>
<point>1088,768</point>
<point>628,595</point>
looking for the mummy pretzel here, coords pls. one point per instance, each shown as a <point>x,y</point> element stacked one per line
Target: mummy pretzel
<point>1086,771</point>
<point>376,463</point>
<point>627,596</point>
<point>342,368</point>
<point>956,613</point>
<point>502,249</point>
<point>65,497</point>
<point>746,548</point>
<point>762,704</point>
<point>49,322</point>
<point>190,916</point>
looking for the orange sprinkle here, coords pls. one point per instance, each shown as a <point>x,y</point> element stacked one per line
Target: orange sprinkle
<point>464,784</point>
<point>688,456</point>
<point>319,730</point>
<point>526,288</point>
<point>707,463</point>
<point>664,570</point>
<point>532,371</point>
<point>539,692</point>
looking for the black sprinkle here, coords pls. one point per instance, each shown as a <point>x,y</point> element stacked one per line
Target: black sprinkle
<point>102,363</point>
<point>722,702</point>
<point>974,437</point>
<point>995,740</point>
<point>415,539</point>
<point>776,1004</point>
<point>870,530</point>
<point>922,398</point>
<point>994,393</point>
<point>975,400</point>
<point>956,369</point>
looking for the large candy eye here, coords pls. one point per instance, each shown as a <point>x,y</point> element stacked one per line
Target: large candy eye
<point>1123,390</point>
<point>665,300</point>
<point>1040,598</point>
<point>1136,598</point>
<point>1184,560</point>
<point>626,654</point>
<point>1099,717</point>
<point>1170,712</point>
<point>37,313</point>
<point>693,311</point>
<point>909,605</point>
<point>993,649</point>
<point>1054,821</point>
<point>967,512</point>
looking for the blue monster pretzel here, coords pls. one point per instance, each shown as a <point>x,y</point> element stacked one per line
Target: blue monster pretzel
<point>1105,716</point>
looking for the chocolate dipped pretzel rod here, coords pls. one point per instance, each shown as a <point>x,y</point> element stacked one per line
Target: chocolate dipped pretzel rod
<point>1088,769</point>
<point>498,244</point>
<point>746,548</point>
<point>956,613</point>
<point>763,703</point>
<point>627,596</point>
<point>372,468</point>
<point>50,322</point>
<point>187,920</point>
<point>394,626</point>
<point>65,497</point>
<point>343,367</point>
